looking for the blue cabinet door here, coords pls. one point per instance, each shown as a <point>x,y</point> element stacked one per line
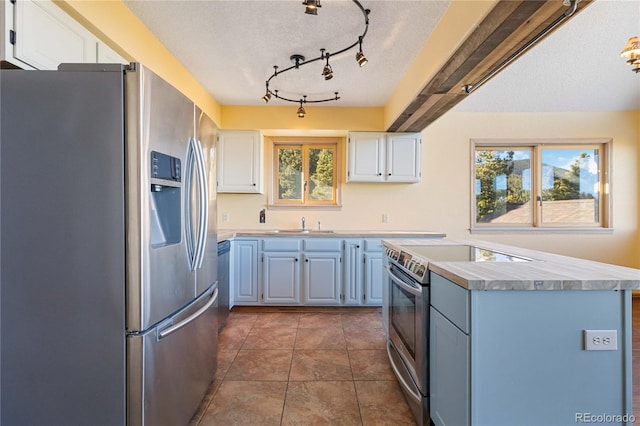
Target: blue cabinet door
<point>449,372</point>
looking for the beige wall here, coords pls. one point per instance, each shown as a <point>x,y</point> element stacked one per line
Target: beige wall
<point>441,201</point>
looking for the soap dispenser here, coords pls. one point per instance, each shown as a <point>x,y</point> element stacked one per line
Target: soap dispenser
<point>263,217</point>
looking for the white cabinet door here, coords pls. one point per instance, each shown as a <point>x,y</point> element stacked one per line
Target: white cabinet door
<point>352,272</point>
<point>366,157</point>
<point>46,36</point>
<point>321,278</point>
<point>281,277</point>
<point>373,279</point>
<point>245,271</point>
<point>384,157</point>
<point>240,161</point>
<point>403,157</point>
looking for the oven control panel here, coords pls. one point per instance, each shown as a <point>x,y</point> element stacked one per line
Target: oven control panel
<point>408,262</point>
<point>392,253</point>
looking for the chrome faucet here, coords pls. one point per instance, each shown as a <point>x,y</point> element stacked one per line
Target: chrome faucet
<point>303,224</point>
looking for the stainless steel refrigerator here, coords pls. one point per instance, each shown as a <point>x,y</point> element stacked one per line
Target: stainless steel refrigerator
<point>108,253</point>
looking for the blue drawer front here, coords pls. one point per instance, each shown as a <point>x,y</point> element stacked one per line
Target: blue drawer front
<point>451,300</point>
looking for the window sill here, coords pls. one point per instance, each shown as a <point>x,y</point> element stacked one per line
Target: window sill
<point>303,207</point>
<point>539,230</point>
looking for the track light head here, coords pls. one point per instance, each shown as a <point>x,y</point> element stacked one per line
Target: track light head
<point>361,59</point>
<point>301,112</point>
<point>311,6</point>
<point>327,72</point>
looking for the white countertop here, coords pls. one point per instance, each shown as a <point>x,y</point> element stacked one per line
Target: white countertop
<point>546,271</point>
<point>230,233</point>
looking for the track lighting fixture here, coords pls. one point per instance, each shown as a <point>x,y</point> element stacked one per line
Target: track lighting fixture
<point>311,8</point>
<point>301,111</point>
<point>360,58</point>
<point>327,72</point>
<point>631,53</point>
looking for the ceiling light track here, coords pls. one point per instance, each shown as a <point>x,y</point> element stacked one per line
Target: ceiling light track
<point>327,72</point>
<point>573,5</point>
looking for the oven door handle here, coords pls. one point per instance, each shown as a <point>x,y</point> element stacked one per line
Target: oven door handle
<point>402,284</point>
<point>410,389</point>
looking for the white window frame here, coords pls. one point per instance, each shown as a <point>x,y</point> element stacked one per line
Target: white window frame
<point>606,223</point>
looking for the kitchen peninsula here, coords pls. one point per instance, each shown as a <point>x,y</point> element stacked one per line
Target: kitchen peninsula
<point>518,336</point>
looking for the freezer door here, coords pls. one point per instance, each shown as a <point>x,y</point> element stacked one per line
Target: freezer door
<point>205,136</point>
<point>160,126</point>
<point>172,366</point>
<point>62,349</point>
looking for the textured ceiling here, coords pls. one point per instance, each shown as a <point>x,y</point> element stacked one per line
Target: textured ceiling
<point>231,46</point>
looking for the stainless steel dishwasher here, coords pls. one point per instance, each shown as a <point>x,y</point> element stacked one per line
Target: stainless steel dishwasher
<point>224,247</point>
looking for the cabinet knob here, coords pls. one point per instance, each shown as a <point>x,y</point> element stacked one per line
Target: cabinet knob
<point>306,260</point>
<point>254,184</point>
<point>379,174</point>
<point>296,259</point>
<point>358,246</point>
<point>389,174</point>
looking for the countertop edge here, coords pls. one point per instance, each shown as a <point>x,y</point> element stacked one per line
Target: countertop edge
<point>333,234</point>
<point>547,271</point>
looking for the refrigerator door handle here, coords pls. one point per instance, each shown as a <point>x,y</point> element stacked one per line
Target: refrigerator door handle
<point>188,189</point>
<point>175,327</point>
<point>203,205</point>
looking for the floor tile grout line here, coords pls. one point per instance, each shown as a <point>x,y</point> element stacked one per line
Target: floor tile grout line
<point>288,381</point>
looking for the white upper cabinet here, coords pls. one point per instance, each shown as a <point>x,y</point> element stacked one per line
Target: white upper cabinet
<point>384,157</point>
<point>403,157</point>
<point>366,157</point>
<point>46,36</point>
<point>37,34</point>
<point>240,161</point>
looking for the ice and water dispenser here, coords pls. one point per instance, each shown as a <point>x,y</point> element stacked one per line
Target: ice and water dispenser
<point>166,185</point>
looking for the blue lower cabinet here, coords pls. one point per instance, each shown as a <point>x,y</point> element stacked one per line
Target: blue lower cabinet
<point>507,357</point>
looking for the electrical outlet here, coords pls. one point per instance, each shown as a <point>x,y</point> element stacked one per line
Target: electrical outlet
<point>601,340</point>
<point>225,217</point>
<point>385,218</point>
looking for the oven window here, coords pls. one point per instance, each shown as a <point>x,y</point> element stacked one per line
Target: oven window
<point>403,317</point>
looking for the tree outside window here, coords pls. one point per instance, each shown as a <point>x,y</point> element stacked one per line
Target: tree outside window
<point>540,185</point>
<point>305,174</point>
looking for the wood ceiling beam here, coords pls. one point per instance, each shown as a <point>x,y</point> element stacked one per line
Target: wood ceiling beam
<point>506,28</point>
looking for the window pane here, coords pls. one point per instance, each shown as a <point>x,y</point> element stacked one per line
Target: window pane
<point>321,174</point>
<point>290,174</point>
<point>503,186</point>
<point>570,186</point>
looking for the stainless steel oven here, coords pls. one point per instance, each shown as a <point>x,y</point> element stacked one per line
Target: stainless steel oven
<point>407,307</point>
<point>408,343</point>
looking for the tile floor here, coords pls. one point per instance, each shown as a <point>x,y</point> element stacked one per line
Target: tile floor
<point>304,368</point>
